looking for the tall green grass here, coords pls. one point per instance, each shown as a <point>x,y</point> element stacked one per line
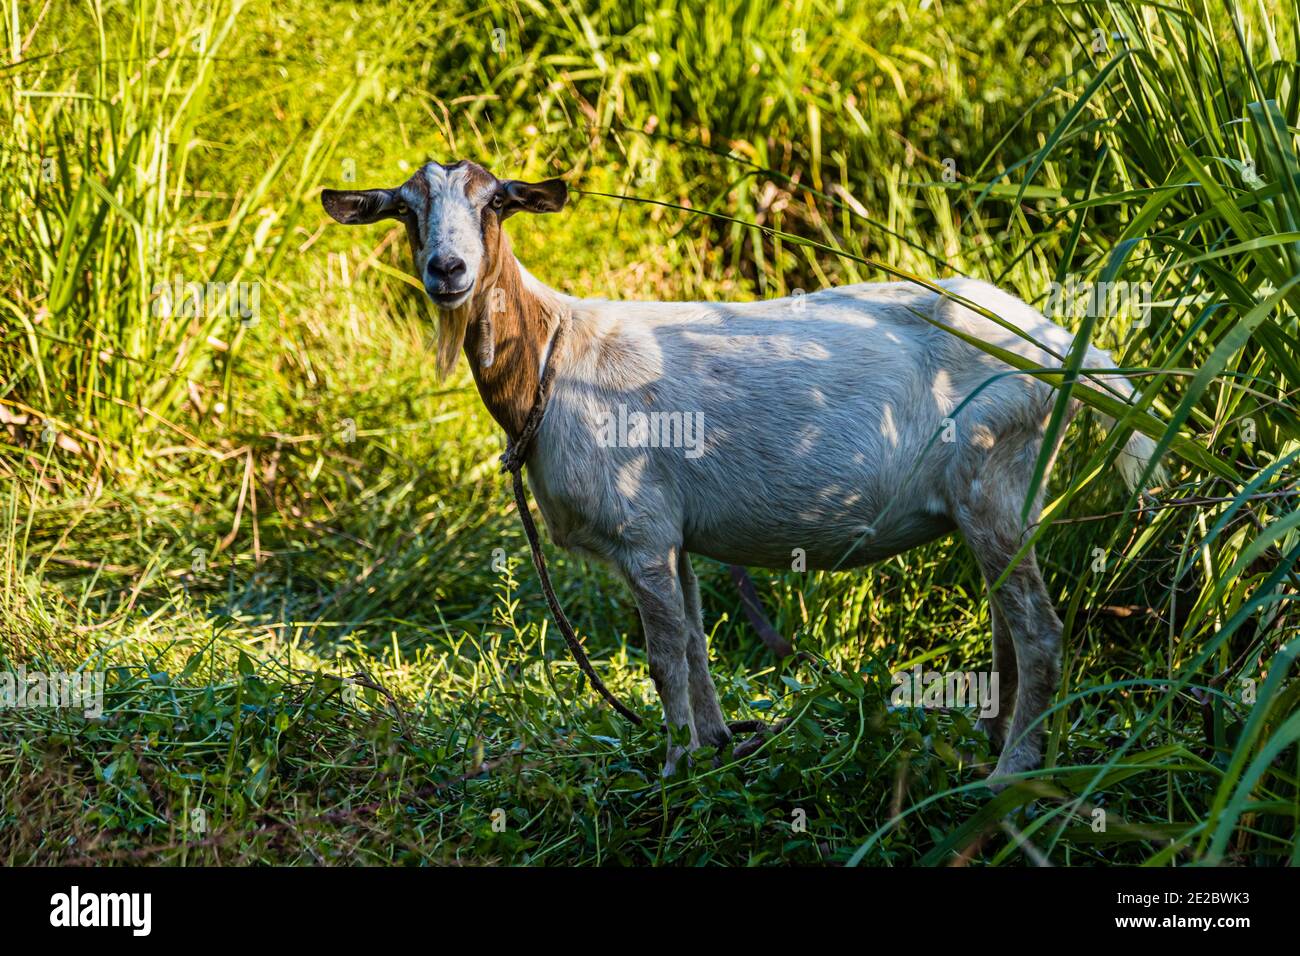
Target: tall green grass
<point>1192,114</point>
<point>232,517</point>
<point>109,210</point>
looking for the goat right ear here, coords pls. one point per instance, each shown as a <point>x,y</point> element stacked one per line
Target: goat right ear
<point>548,196</point>
<point>354,207</point>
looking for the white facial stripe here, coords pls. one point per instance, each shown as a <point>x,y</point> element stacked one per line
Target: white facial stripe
<point>451,226</point>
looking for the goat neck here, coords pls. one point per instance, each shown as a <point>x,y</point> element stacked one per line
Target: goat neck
<point>511,323</point>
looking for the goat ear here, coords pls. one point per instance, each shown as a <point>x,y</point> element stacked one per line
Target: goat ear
<point>359,206</point>
<point>548,196</point>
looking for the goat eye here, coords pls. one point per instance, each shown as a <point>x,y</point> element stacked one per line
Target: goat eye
<point>403,209</point>
<point>498,200</point>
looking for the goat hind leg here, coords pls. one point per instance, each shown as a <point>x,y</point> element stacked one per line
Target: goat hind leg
<point>988,511</point>
<point>1036,636</point>
<point>1038,665</point>
<point>1004,666</point>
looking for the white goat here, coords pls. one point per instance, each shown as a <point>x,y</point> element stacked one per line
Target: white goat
<point>840,426</point>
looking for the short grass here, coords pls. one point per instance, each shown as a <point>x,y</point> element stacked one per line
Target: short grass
<point>288,548</point>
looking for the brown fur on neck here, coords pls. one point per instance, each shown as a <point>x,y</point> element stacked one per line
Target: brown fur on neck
<point>520,321</point>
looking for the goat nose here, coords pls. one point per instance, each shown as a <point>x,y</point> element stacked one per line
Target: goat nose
<point>446,270</point>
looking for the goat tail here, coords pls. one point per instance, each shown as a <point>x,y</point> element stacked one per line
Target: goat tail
<point>1138,451</point>
<point>1132,460</point>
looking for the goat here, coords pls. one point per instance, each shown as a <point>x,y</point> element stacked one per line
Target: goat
<point>819,414</point>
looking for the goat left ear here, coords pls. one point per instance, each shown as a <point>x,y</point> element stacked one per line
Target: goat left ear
<point>357,206</point>
<point>548,196</point>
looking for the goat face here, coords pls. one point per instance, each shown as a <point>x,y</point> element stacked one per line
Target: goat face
<point>453,218</point>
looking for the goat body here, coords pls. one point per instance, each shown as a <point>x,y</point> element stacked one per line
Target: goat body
<point>829,422</point>
<point>838,429</point>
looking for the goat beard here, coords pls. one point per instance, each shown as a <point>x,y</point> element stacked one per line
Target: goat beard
<point>452,326</point>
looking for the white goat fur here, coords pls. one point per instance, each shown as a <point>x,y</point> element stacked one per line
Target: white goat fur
<point>822,433</point>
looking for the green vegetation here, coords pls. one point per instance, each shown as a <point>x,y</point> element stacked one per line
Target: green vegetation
<point>232,516</point>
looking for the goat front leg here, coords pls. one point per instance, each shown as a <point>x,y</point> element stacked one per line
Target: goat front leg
<point>658,593</point>
<point>709,722</point>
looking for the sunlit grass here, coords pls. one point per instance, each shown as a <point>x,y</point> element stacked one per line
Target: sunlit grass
<point>232,517</point>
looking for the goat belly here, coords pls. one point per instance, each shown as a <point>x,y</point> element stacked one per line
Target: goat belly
<point>783,542</point>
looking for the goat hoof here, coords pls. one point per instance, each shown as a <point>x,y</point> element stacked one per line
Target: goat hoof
<point>672,761</point>
<point>1011,764</point>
